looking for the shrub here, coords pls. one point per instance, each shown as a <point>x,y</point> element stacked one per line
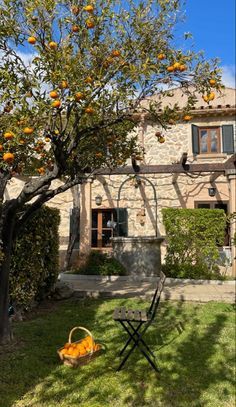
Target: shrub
<point>35,260</point>
<point>193,237</point>
<point>102,264</point>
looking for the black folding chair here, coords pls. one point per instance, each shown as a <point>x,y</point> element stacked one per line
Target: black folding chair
<point>136,322</point>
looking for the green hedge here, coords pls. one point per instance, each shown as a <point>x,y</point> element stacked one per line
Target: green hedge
<point>193,237</point>
<point>101,264</point>
<point>35,260</point>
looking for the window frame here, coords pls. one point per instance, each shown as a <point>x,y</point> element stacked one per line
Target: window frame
<point>208,129</point>
<point>100,229</point>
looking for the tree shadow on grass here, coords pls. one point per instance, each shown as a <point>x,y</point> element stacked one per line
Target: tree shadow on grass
<point>193,360</point>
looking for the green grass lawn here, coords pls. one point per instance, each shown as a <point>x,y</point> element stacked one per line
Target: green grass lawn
<point>197,362</point>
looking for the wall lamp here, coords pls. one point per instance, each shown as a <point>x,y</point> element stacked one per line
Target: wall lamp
<point>98,200</point>
<point>211,191</point>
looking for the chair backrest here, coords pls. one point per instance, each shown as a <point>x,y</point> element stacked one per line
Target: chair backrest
<point>157,295</point>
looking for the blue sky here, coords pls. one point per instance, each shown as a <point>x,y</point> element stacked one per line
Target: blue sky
<point>212,23</point>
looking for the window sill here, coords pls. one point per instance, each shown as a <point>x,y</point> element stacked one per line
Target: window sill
<point>211,156</point>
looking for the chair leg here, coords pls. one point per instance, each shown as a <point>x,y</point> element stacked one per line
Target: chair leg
<point>139,335</point>
<point>130,338</point>
<point>135,332</point>
<point>136,344</point>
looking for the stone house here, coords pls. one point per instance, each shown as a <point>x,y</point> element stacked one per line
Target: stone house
<point>194,168</point>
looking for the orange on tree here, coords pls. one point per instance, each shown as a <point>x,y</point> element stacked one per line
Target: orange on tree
<point>89,79</point>
<point>28,130</point>
<point>79,96</point>
<point>32,40</point>
<point>116,53</point>
<point>47,139</point>
<point>182,68</point>
<point>176,66</point>
<point>75,28</point>
<point>90,23</point>
<point>52,45</point>
<point>8,157</point>
<point>75,10</point>
<point>53,94</point>
<point>212,82</point>
<point>56,103</point>
<point>89,110</point>
<point>1,147</point>
<point>170,68</point>
<point>64,84</point>
<point>161,139</point>
<point>161,56</point>
<point>89,8</point>
<point>211,96</point>
<point>187,117</point>
<point>9,135</point>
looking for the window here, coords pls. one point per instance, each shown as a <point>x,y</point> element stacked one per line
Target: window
<point>216,205</point>
<point>104,226</point>
<point>213,140</point>
<point>209,140</point>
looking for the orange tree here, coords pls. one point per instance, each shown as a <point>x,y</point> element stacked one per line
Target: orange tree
<point>72,75</point>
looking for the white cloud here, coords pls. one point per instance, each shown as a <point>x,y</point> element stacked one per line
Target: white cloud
<point>228,76</point>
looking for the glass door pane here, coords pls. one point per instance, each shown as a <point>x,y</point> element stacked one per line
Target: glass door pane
<point>213,141</point>
<point>203,141</point>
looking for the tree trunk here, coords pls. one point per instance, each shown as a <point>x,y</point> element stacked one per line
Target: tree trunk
<point>6,233</point>
<point>74,228</point>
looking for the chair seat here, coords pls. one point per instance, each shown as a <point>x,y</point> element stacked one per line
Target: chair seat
<point>125,314</point>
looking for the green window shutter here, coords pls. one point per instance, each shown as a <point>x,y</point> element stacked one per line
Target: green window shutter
<point>123,222</point>
<point>228,139</point>
<point>195,139</point>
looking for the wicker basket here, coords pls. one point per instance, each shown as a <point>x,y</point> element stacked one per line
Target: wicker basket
<point>75,361</point>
